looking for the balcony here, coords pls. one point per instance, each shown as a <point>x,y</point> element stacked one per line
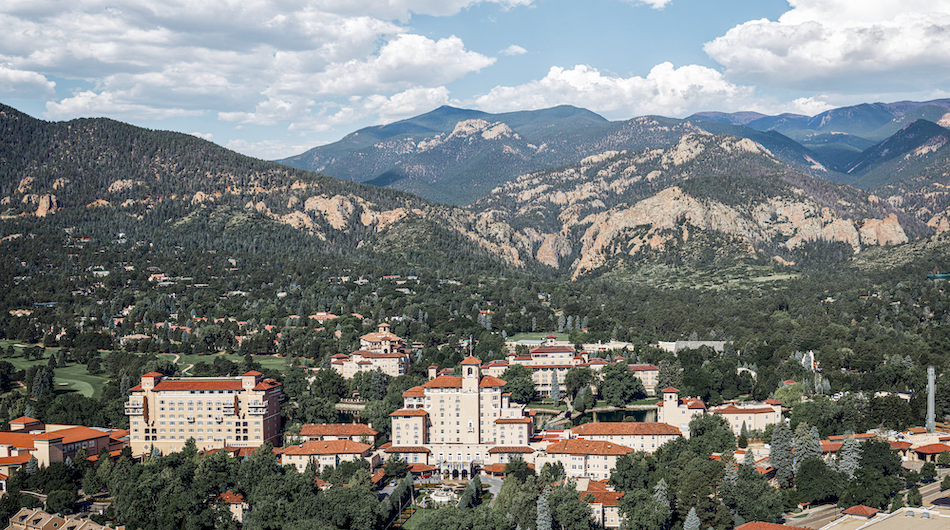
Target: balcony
<point>257,408</point>
<point>134,409</point>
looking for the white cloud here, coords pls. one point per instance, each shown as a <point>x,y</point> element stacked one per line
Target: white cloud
<point>842,46</point>
<point>655,4</point>
<point>268,149</point>
<point>407,60</point>
<point>206,136</point>
<point>514,49</point>
<point>24,84</point>
<point>666,90</point>
<point>90,103</point>
<point>258,62</point>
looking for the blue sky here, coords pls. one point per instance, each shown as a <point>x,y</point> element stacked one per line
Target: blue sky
<point>273,78</point>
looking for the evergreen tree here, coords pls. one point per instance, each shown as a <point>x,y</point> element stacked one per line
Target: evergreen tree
<point>544,511</point>
<point>849,457</point>
<point>692,521</point>
<point>749,458</point>
<point>32,466</point>
<point>780,454</point>
<point>660,494</point>
<point>555,390</point>
<point>807,444</point>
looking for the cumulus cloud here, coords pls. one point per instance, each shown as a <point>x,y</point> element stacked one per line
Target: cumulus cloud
<point>405,61</point>
<point>666,90</point>
<point>834,45</point>
<point>268,149</point>
<point>206,136</point>
<point>24,84</point>
<point>514,49</point>
<point>90,103</point>
<point>259,62</point>
<point>655,4</point>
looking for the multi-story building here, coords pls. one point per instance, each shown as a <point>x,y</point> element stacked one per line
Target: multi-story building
<point>605,506</point>
<point>357,432</point>
<point>648,374</point>
<point>646,437</point>
<point>35,519</point>
<point>678,412</point>
<point>393,364</point>
<point>452,422</point>
<point>383,341</point>
<point>50,443</point>
<point>218,412</point>
<point>755,416</point>
<point>326,453</point>
<point>582,458</point>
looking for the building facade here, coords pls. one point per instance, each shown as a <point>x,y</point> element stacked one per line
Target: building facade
<point>217,412</point>
<point>678,412</point>
<point>646,437</point>
<point>452,422</point>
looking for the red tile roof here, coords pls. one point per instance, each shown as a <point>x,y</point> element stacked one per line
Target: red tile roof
<point>932,449</point>
<point>670,389</point>
<point>642,368</point>
<point>510,449</point>
<point>489,381</point>
<point>420,468</point>
<point>410,412</point>
<point>234,384</point>
<point>759,525</point>
<point>416,391</point>
<point>604,498</point>
<point>732,409</point>
<point>153,374</point>
<point>406,449</point>
<point>625,428</point>
<point>337,429</point>
<point>513,420</point>
<point>901,446</point>
<point>445,381</point>
<point>25,419</point>
<point>862,510</point>
<point>471,359</point>
<point>231,498</point>
<point>587,447</point>
<point>328,447</point>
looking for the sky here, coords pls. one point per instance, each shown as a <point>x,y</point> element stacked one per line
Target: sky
<point>274,78</point>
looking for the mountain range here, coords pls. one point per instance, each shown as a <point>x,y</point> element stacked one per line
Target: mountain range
<point>560,190</point>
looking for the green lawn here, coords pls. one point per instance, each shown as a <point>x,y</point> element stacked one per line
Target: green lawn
<point>267,361</point>
<point>413,521</point>
<point>74,377</point>
<point>539,336</point>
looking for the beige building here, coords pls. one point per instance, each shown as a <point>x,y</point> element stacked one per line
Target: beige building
<point>582,458</point>
<point>678,412</point>
<point>646,437</point>
<point>49,443</point>
<point>452,422</point>
<point>393,364</point>
<point>383,341</point>
<point>357,432</point>
<point>327,453</point>
<point>34,519</point>
<point>217,412</point>
<point>648,374</point>
<point>605,507</point>
<point>755,416</point>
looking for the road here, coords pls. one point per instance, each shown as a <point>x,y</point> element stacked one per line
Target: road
<point>819,516</point>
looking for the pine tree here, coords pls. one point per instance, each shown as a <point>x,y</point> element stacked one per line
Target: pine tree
<point>32,466</point>
<point>780,454</point>
<point>749,458</point>
<point>732,472</point>
<point>849,457</point>
<point>660,495</point>
<point>807,444</point>
<point>544,512</point>
<point>692,521</point>
<point>555,389</point>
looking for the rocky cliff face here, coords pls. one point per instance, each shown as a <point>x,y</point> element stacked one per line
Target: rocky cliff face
<point>632,204</point>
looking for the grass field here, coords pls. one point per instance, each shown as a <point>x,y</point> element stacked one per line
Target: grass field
<point>413,521</point>
<point>267,361</point>
<point>538,336</point>
<point>73,377</point>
